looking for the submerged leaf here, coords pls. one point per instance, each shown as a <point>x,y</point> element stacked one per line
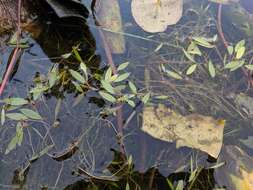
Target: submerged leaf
<point>31,114</point>
<point>194,130</point>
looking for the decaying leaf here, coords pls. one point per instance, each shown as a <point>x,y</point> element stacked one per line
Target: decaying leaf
<point>110,18</point>
<point>194,130</point>
<point>156,15</point>
<point>237,174</point>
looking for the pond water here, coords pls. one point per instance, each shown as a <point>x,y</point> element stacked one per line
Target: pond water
<point>106,133</point>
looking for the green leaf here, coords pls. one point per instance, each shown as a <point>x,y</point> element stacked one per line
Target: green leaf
<point>202,42</point>
<point>107,96</point>
<point>19,133</point>
<point>173,75</point>
<point>239,45</point>
<point>2,116</point>
<point>83,67</point>
<point>240,52</point>
<point>16,140</point>
<point>122,77</point>
<point>108,74</point>
<point>146,98</point>
<point>52,77</point>
<point>107,86</point>
<point>77,76</point>
<point>191,69</point>
<point>15,101</point>
<point>127,187</point>
<point>189,56</point>
<point>16,116</point>
<point>132,87</point>
<point>131,103</point>
<point>77,55</point>
<point>78,87</point>
<point>193,49</point>
<point>158,47</point>
<point>31,114</point>
<point>250,67</point>
<point>161,97</point>
<point>180,185</point>
<point>211,69</point>
<point>233,65</point>
<point>66,55</point>
<point>230,50</point>
<point>122,66</point>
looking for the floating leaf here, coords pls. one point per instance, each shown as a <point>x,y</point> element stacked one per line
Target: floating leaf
<point>240,52</point>
<point>132,87</point>
<point>202,42</point>
<point>31,114</point>
<point>77,76</point>
<point>239,45</point>
<point>16,116</point>
<point>250,67</point>
<point>145,98</point>
<point>211,69</point>
<point>107,96</point>
<point>173,75</point>
<point>15,101</point>
<point>122,77</point>
<point>189,56</point>
<point>107,86</point>
<point>122,66</point>
<point>191,69</point>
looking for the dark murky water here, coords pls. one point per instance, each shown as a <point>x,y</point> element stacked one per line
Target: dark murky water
<point>56,38</point>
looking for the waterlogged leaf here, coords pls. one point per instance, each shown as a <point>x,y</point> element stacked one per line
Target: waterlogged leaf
<point>122,77</point>
<point>122,66</point>
<point>108,74</point>
<point>107,96</point>
<point>237,174</point>
<point>107,86</point>
<point>203,42</point>
<point>196,131</point>
<point>189,56</point>
<point>230,50</point>
<point>77,76</point>
<point>16,140</point>
<point>240,52</point>
<point>109,17</point>
<point>16,116</point>
<point>158,47</point>
<point>12,144</point>
<point>31,114</point>
<point>173,75</point>
<point>248,142</point>
<point>145,98</point>
<point>191,69</point>
<point>132,87</point>
<point>15,101</point>
<point>211,69</point>
<point>239,45</point>
<point>250,67</point>
<point>155,16</point>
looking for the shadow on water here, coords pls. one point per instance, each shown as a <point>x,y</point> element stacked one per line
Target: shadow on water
<point>70,148</point>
